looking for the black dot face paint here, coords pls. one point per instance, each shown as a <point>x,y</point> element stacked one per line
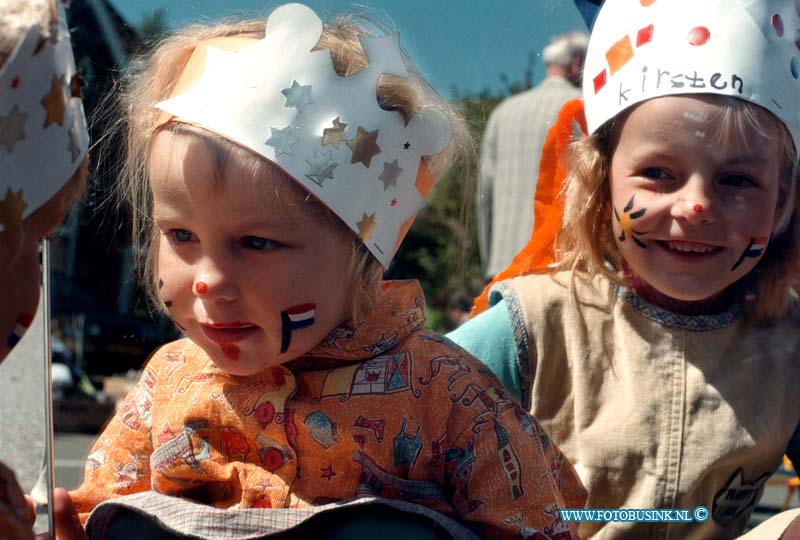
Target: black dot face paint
<point>167,303</point>
<point>626,223</point>
<point>295,318</point>
<point>753,250</point>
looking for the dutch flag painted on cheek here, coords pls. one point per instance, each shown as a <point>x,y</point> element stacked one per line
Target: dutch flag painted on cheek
<point>295,318</point>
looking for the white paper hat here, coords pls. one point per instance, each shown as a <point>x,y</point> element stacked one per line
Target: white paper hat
<point>748,49</point>
<point>43,135</point>
<point>286,103</point>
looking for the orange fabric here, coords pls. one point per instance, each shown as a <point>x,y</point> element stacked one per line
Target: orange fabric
<point>548,206</point>
<point>383,409</point>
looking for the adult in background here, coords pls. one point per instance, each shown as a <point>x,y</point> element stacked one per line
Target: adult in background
<point>510,151</point>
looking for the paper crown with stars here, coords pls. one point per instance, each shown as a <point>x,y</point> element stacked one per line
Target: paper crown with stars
<point>43,135</point>
<point>285,102</point>
<point>641,49</point>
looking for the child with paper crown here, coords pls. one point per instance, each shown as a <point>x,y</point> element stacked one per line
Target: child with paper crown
<point>39,115</point>
<point>655,335</point>
<point>272,172</point>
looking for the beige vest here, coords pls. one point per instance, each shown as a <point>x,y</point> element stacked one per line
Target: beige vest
<point>657,410</point>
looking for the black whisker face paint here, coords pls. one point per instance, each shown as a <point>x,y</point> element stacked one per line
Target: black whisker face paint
<point>753,250</point>
<point>626,223</point>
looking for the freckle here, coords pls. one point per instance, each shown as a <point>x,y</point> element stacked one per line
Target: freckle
<point>231,351</point>
<point>168,303</point>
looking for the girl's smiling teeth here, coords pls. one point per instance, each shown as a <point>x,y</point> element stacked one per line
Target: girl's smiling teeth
<point>683,246</point>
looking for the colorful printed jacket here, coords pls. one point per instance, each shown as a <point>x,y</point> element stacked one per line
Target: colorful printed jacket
<point>384,408</point>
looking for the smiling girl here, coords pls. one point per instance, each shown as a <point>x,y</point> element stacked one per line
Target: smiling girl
<point>659,350</point>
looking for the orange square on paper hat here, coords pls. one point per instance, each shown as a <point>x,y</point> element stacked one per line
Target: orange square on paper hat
<point>619,54</point>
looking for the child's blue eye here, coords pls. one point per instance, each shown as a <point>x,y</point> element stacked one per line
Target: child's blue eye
<point>181,235</point>
<point>258,243</point>
<point>655,173</point>
<point>739,180</point>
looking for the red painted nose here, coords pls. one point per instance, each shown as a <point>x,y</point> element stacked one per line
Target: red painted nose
<point>201,287</point>
<point>698,208</point>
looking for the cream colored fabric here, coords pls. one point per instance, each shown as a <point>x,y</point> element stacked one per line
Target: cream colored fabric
<point>651,413</point>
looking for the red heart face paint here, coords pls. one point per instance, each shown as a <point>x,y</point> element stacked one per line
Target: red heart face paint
<point>231,351</point>
<point>697,208</point>
<point>295,318</point>
<point>201,287</point>
<point>23,323</point>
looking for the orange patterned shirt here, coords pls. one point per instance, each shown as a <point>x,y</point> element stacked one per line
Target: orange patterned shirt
<point>383,408</point>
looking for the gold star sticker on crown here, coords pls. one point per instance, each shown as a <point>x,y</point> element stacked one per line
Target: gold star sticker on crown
<point>366,227</point>
<point>364,146</point>
<point>11,209</point>
<point>335,135</point>
<point>53,102</point>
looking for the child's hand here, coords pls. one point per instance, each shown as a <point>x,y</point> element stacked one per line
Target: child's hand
<point>68,526</point>
<point>16,513</point>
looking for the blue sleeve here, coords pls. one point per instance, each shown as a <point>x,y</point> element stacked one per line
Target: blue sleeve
<point>793,450</point>
<point>489,338</point>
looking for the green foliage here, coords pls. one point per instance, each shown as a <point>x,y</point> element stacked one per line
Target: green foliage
<point>441,248</point>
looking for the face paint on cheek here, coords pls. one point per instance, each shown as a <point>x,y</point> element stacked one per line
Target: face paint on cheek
<point>231,351</point>
<point>295,318</point>
<point>754,249</point>
<point>23,323</point>
<point>626,223</point>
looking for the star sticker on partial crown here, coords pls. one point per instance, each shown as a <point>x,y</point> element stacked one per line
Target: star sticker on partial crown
<point>297,96</point>
<point>321,167</point>
<point>12,128</point>
<point>54,103</point>
<point>335,135</point>
<point>364,146</point>
<point>391,171</point>
<point>282,140</point>
<point>366,226</point>
<point>12,209</point>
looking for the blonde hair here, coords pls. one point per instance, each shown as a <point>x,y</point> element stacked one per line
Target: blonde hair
<point>586,243</point>
<point>152,80</point>
<point>17,16</point>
